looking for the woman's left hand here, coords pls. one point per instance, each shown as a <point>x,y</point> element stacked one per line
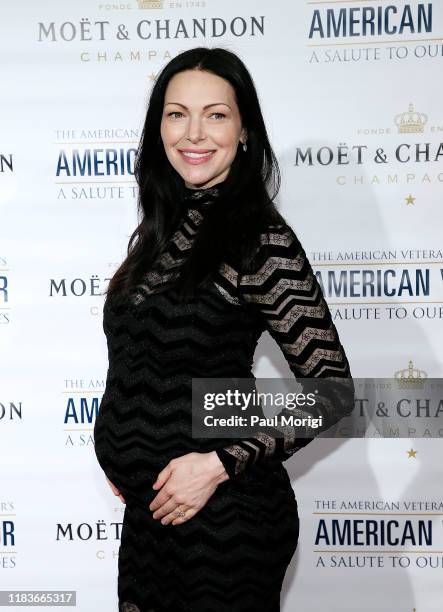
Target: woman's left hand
<point>186,484</point>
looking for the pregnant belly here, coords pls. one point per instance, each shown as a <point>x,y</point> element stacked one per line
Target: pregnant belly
<point>135,439</point>
<point>124,451</point>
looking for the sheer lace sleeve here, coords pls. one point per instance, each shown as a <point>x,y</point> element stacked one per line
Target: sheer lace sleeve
<point>282,289</point>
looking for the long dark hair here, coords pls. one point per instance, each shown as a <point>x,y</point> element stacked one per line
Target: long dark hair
<point>245,196</point>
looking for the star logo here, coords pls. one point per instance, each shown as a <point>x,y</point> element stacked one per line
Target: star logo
<point>411,453</point>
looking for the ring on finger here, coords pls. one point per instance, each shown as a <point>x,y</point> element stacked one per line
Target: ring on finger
<point>180,513</point>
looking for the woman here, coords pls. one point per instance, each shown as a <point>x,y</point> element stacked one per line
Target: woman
<point>209,524</point>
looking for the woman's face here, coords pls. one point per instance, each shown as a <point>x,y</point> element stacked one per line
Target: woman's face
<point>201,116</point>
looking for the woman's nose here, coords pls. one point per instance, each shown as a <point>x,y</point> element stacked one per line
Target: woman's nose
<point>195,129</point>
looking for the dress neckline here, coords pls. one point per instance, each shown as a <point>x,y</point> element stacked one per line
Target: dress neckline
<point>201,194</point>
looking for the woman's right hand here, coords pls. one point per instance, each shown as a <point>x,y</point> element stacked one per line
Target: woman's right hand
<point>116,491</point>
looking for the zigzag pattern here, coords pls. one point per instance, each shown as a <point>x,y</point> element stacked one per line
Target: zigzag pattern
<point>233,554</point>
<point>283,292</point>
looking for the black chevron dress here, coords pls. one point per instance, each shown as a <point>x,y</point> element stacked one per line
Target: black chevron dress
<point>233,554</point>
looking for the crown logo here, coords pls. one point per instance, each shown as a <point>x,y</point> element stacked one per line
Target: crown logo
<point>410,377</point>
<point>150,4</point>
<point>410,122</point>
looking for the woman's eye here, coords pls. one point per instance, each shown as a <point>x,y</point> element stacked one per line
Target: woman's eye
<point>221,115</point>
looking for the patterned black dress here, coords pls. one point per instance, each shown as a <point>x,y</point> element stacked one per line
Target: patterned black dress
<point>233,554</point>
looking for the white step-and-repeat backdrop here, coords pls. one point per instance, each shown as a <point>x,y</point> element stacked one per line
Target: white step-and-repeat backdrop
<point>351,93</point>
